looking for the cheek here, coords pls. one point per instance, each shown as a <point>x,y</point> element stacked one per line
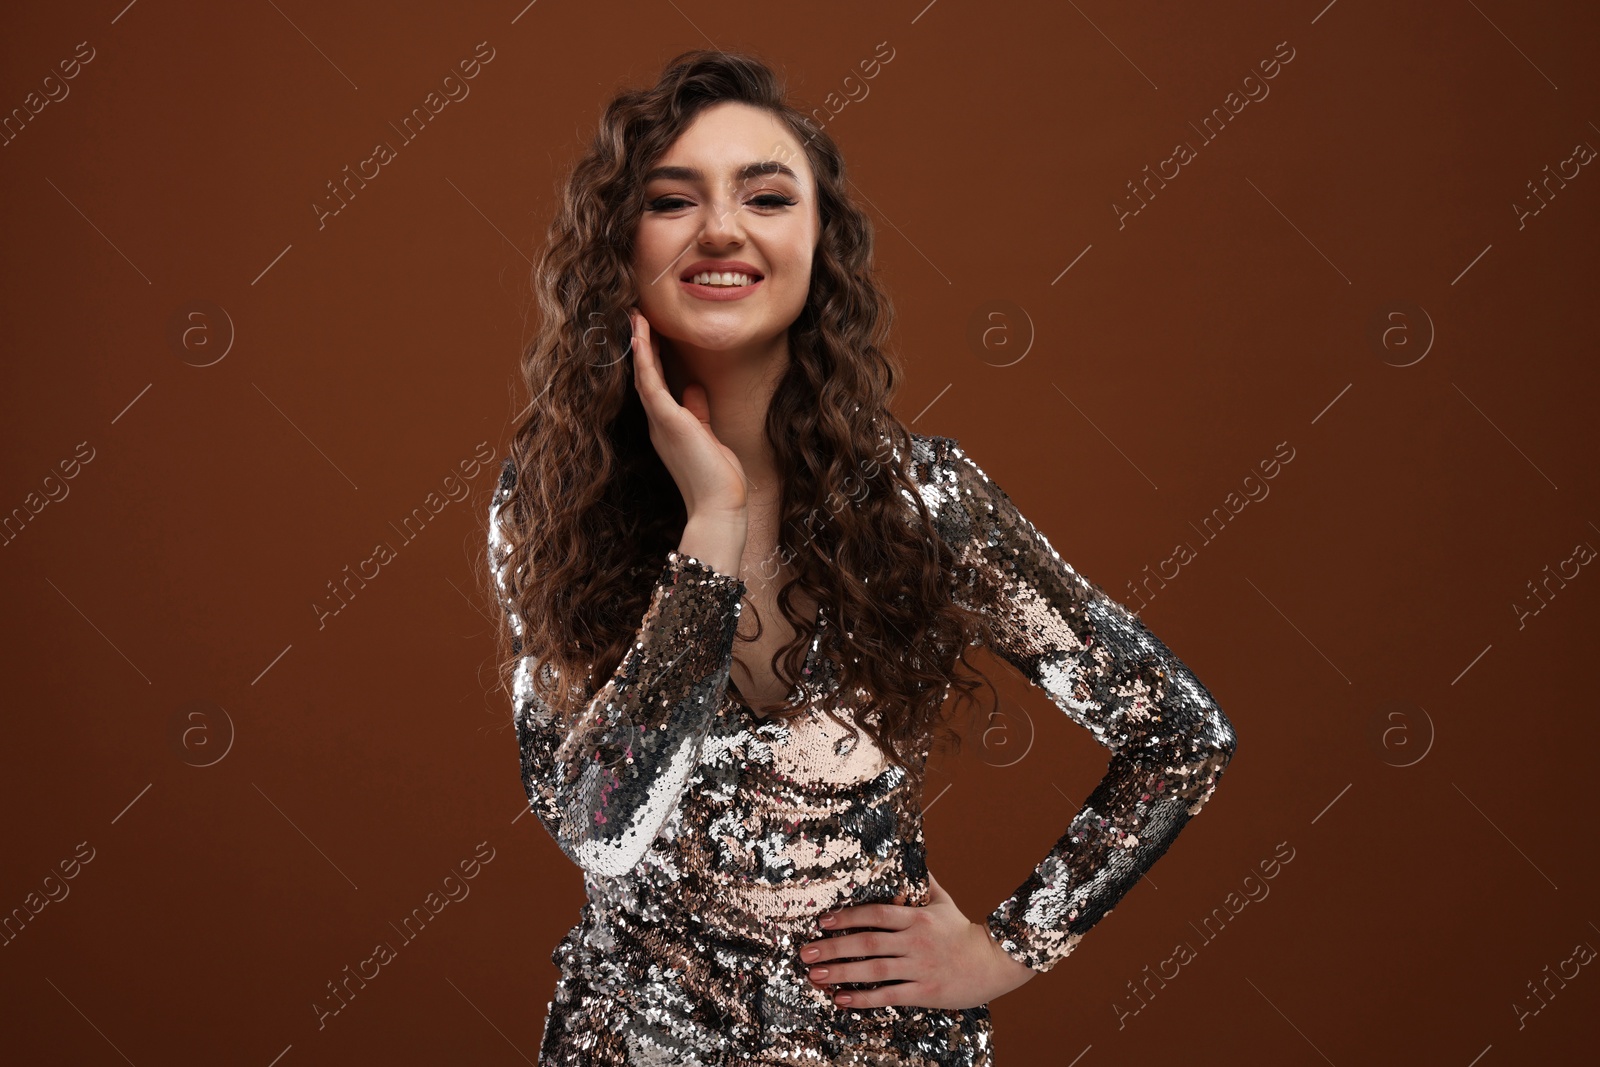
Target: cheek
<point>793,254</point>
<point>799,272</point>
<point>643,251</point>
<point>648,263</point>
<point>655,243</point>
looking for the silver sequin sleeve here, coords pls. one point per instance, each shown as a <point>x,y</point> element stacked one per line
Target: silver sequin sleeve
<point>604,781</point>
<point>1168,739</point>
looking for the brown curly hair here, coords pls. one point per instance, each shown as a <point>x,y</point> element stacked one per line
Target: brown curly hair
<point>593,511</point>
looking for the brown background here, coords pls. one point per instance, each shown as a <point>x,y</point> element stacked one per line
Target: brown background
<point>1426,758</point>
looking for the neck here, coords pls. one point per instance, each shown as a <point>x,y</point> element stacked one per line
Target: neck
<point>739,384</point>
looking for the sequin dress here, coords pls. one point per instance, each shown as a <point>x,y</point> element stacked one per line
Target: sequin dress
<point>711,838</point>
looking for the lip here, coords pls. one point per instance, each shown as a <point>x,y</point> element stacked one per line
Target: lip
<point>737,265</point>
<point>708,292</point>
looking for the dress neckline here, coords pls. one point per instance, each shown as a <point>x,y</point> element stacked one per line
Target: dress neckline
<point>807,669</point>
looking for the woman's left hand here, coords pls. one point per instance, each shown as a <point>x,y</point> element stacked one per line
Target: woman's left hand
<point>940,958</point>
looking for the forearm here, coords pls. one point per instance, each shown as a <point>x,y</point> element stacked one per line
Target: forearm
<point>606,781</point>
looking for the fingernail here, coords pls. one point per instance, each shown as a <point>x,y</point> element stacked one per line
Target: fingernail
<point>827,920</point>
<point>819,973</point>
<point>811,953</point>
<point>842,998</point>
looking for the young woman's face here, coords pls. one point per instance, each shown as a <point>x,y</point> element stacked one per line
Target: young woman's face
<point>717,201</point>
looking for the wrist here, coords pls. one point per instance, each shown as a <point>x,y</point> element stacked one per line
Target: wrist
<point>1008,963</point>
<point>716,540</point>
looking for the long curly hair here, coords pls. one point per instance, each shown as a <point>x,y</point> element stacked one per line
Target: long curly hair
<point>593,511</point>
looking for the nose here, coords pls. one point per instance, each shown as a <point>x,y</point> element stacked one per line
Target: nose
<point>724,222</point>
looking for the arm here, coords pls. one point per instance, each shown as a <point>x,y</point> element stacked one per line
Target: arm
<point>1169,741</point>
<point>604,800</point>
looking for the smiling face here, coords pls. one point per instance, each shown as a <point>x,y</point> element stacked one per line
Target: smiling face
<point>722,254</point>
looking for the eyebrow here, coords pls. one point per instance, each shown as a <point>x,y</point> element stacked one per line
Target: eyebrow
<point>746,172</point>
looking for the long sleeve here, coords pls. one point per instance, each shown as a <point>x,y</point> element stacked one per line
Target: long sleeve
<point>604,783</point>
<point>1169,741</point>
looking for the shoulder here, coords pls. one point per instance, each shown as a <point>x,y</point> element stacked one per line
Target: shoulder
<point>958,492</point>
<point>940,463</point>
<point>508,478</point>
<point>497,501</point>
<point>931,454</point>
<point>943,478</point>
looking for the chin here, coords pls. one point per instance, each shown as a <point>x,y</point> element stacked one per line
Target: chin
<point>717,342</point>
<point>713,337</point>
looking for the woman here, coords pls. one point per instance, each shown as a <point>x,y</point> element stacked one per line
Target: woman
<point>742,789</point>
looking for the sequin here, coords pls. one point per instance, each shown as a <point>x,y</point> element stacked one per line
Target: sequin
<point>710,840</point>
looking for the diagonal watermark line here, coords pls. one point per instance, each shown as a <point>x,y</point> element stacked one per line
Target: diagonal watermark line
<point>1331,803</point>
<point>898,230</point>
<point>1513,44</point>
<point>1469,266</point>
<point>1502,833</point>
<point>490,1021</point>
<point>313,44</point>
<point>101,232</point>
<point>1288,1020</point>
<point>88,1020</point>
<point>132,402</point>
<point>930,403</point>
<point>1301,632</point>
<point>1468,667</point>
<point>1113,44</point>
<point>101,632</point>
<point>1102,433</point>
<point>271,665</point>
<point>1069,266</point>
<point>486,218</point>
<point>302,433</point>
<point>697,28</point>
<point>302,833</point>
<point>1502,433</point>
<point>274,263</point>
<point>1301,232</point>
<point>1332,402</point>
<point>131,803</point>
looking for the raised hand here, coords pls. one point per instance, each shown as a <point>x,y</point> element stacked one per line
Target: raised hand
<point>708,473</point>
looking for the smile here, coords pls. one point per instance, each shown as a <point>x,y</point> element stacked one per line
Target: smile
<point>721,285</point>
<point>721,278</point>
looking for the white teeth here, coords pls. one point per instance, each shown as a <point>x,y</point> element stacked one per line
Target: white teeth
<point>712,277</point>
